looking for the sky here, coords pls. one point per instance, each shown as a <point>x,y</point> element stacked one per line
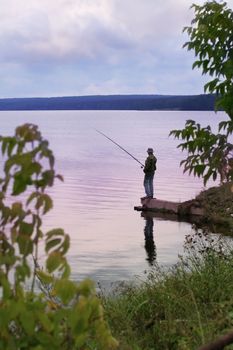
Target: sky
<point>96,47</point>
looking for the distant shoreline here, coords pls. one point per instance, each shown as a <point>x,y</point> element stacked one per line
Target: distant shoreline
<point>203,102</point>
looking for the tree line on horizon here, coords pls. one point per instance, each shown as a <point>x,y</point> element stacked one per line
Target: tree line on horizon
<point>204,102</point>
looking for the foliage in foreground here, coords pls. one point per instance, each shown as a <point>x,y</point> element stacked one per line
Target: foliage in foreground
<point>182,308</point>
<point>211,38</point>
<point>65,315</point>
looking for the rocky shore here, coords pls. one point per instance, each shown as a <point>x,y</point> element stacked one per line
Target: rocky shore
<point>213,206</point>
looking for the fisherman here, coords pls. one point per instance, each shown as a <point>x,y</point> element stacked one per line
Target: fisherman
<point>149,170</point>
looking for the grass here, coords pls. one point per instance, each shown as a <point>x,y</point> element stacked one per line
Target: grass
<point>180,308</point>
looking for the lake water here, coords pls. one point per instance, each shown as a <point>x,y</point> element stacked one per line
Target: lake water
<point>95,204</point>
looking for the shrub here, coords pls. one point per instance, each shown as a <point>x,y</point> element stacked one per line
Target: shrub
<point>64,314</point>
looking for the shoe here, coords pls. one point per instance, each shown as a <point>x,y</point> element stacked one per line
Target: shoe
<point>146,197</point>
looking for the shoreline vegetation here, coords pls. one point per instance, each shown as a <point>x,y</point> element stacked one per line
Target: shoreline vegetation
<point>202,102</point>
<point>183,307</point>
<point>217,204</point>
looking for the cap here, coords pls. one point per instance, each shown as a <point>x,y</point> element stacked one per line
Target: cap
<point>150,150</point>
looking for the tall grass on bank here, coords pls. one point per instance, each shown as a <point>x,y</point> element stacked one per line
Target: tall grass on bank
<point>183,308</point>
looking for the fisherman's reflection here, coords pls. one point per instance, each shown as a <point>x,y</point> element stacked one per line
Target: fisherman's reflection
<point>149,240</point>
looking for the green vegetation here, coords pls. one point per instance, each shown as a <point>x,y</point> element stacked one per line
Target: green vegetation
<point>180,308</point>
<point>64,315</point>
<point>210,155</point>
<point>218,207</point>
<point>210,33</point>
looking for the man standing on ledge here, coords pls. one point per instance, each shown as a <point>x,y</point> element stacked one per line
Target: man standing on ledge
<point>149,170</point>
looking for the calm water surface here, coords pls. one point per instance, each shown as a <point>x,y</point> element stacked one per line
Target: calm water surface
<point>95,204</point>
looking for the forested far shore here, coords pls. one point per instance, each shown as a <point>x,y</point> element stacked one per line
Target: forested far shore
<point>204,102</point>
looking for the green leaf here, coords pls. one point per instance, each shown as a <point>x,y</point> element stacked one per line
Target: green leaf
<point>48,203</point>
<point>55,232</point>
<point>54,261</point>
<point>20,184</point>
<point>200,168</point>
<point>44,200</point>
<point>12,143</point>
<point>22,272</point>
<point>46,339</point>
<point>34,168</point>
<point>66,244</point>
<point>32,196</point>
<point>48,177</point>
<point>52,243</point>
<point>86,287</point>
<point>4,145</point>
<point>16,210</point>
<point>45,278</point>
<point>60,177</point>
<point>28,132</point>
<point>214,175</point>
<point>65,289</point>
<point>26,228</point>
<point>25,244</point>
<point>5,286</point>
<point>46,323</point>
<point>28,322</point>
<point>66,270</point>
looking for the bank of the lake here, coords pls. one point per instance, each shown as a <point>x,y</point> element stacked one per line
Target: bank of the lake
<point>181,308</point>
<point>212,208</point>
<point>216,207</point>
<point>217,203</point>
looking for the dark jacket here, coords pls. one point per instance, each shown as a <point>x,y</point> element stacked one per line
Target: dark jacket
<point>150,165</point>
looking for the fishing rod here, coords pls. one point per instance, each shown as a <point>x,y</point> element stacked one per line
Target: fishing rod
<point>100,132</point>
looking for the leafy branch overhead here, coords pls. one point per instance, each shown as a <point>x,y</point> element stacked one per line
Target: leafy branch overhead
<point>64,315</point>
<point>209,154</point>
<point>211,38</point>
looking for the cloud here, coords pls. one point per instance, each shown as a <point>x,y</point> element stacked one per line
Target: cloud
<point>88,46</point>
<point>75,30</point>
<point>57,30</point>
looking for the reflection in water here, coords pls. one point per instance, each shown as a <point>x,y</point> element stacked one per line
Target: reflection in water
<point>94,203</point>
<point>149,240</point>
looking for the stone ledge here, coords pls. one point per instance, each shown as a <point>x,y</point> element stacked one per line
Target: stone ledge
<point>188,208</point>
<point>152,203</point>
